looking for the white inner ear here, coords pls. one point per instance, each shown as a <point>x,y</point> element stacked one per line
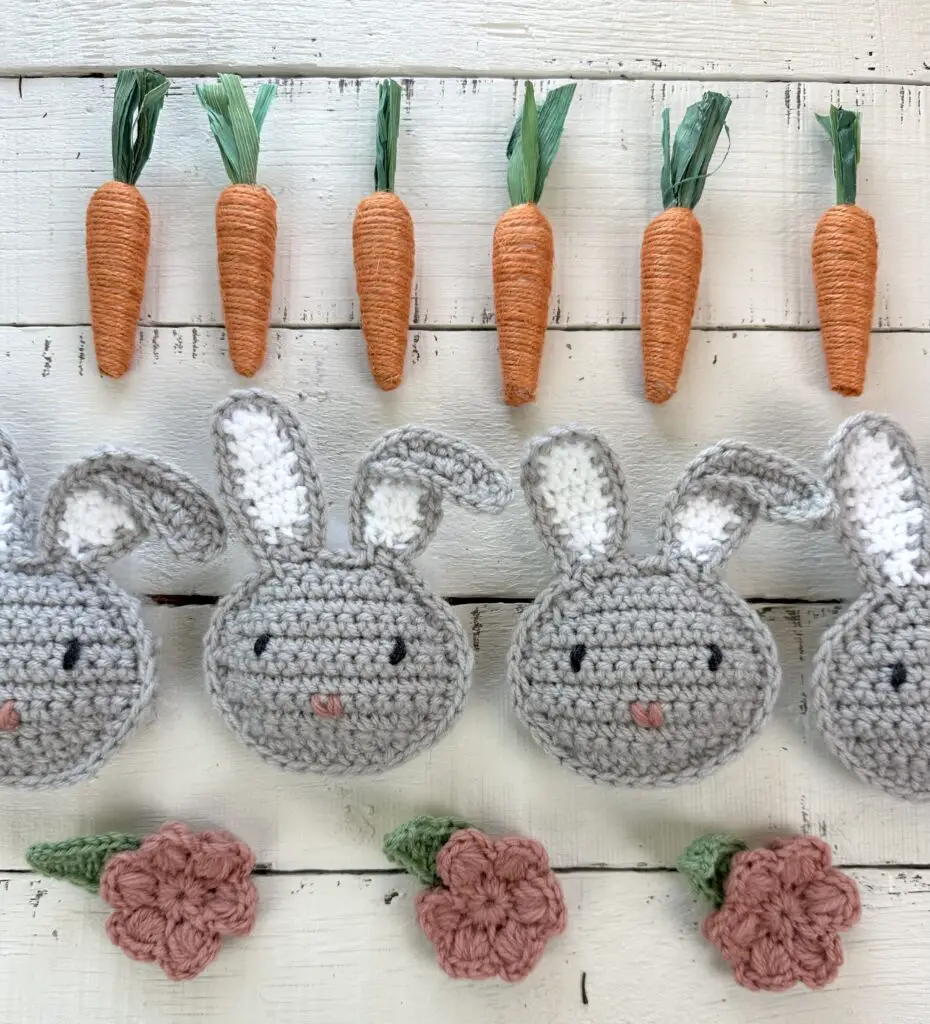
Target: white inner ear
<point>574,485</point>
<point>8,510</point>
<point>703,525</point>
<point>266,471</point>
<point>881,504</point>
<point>90,521</point>
<point>392,514</point>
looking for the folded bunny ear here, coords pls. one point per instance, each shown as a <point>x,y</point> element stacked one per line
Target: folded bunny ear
<point>884,508</point>
<point>400,485</point>
<point>576,493</point>
<point>268,480</point>
<point>104,506</point>
<point>723,492</point>
<point>14,501</point>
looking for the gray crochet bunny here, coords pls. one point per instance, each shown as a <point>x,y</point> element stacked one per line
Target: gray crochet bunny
<point>77,666</point>
<point>649,671</point>
<point>871,679</point>
<point>339,661</point>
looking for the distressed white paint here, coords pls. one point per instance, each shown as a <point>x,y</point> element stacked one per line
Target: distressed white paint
<point>758,212</point>
<point>343,949</point>
<point>185,763</point>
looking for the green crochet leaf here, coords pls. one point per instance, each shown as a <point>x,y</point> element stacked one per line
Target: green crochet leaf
<point>237,129</point>
<point>546,131</point>
<point>685,164</point>
<point>706,864</point>
<point>843,127</point>
<point>415,845</point>
<point>388,130</point>
<point>80,860</point>
<point>138,100</point>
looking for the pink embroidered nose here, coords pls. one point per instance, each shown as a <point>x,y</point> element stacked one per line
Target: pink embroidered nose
<point>9,716</point>
<point>326,705</point>
<point>649,716</point>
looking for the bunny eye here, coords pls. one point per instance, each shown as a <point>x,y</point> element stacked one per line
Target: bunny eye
<point>898,675</point>
<point>71,655</point>
<point>576,656</point>
<point>716,657</point>
<point>261,643</point>
<point>398,651</point>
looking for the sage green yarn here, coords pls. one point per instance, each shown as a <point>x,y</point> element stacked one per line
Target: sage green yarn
<point>415,845</point>
<point>80,860</point>
<point>706,864</point>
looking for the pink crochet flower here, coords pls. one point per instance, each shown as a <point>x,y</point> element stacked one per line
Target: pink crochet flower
<point>177,895</point>
<point>783,907</point>
<point>500,906</point>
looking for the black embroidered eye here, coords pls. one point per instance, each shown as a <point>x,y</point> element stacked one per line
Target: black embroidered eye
<point>716,657</point>
<point>898,675</point>
<point>72,653</point>
<point>576,657</point>
<point>398,652</point>
<point>261,643</point>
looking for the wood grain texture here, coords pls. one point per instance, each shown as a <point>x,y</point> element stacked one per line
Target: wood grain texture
<point>790,38</point>
<point>343,949</point>
<point>764,387</point>
<point>758,211</point>
<point>184,763</point>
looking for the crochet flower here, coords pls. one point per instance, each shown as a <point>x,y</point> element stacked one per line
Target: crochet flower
<point>783,908</point>
<point>178,895</point>
<point>499,907</point>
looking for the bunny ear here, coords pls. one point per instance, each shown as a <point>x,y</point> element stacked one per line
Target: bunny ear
<point>397,501</point>
<point>725,490</point>
<point>102,507</point>
<point>267,477</point>
<point>14,499</point>
<point>577,496</point>
<point>884,509</point>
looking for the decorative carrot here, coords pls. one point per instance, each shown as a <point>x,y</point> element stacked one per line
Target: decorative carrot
<point>523,249</point>
<point>673,247</point>
<point>845,260</point>
<point>246,220</point>
<point>119,225</point>
<point>383,245</point>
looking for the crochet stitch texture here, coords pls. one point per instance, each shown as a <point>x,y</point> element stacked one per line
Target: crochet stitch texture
<point>77,666</point>
<point>339,661</point>
<point>649,671</point>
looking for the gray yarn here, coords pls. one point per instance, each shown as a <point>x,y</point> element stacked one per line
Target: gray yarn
<point>332,619</point>
<point>875,723</point>
<point>647,624</point>
<point>76,661</point>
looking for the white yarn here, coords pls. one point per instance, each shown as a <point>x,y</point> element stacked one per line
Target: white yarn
<point>575,486</point>
<point>266,471</point>
<point>394,518</point>
<point>703,525</point>
<point>881,504</point>
<point>90,521</point>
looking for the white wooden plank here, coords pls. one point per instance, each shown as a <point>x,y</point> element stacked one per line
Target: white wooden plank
<point>758,212</point>
<point>185,764</point>
<point>793,39</point>
<point>343,949</point>
<point>764,387</point>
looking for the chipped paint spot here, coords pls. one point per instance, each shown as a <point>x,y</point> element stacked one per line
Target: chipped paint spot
<point>476,627</point>
<point>47,357</point>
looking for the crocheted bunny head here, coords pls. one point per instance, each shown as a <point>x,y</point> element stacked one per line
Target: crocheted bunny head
<point>648,671</point>
<point>77,665</point>
<point>339,662</point>
<point>871,679</point>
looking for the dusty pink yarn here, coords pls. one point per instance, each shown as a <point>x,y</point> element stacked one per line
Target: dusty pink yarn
<point>500,906</point>
<point>177,896</point>
<point>783,907</point>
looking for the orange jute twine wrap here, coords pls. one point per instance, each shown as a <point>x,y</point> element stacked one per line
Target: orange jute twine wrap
<point>671,258</point>
<point>246,231</point>
<point>383,247</point>
<point>118,232</point>
<point>522,258</point>
<point>844,257</point>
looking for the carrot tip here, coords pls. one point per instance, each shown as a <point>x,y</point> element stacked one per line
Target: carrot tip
<point>515,396</point>
<point>389,383</point>
<point>658,391</point>
<point>848,390</point>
